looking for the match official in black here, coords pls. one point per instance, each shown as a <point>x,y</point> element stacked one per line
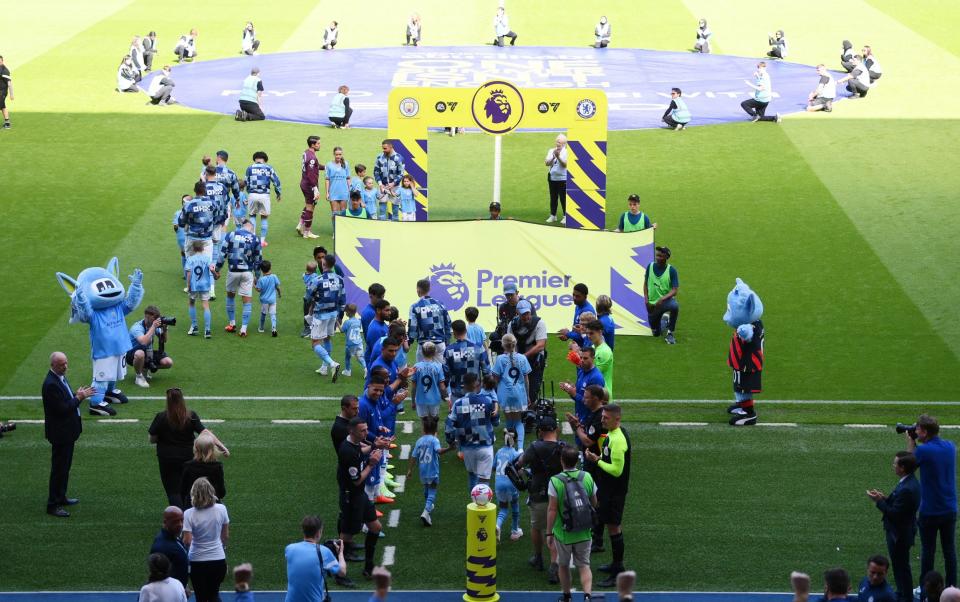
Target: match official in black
<point>62,427</point>
<point>900,521</point>
<point>355,460</point>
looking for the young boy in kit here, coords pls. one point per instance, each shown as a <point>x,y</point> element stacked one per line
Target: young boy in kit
<point>200,271</point>
<point>426,452</point>
<point>269,287</point>
<point>309,280</point>
<point>353,331</point>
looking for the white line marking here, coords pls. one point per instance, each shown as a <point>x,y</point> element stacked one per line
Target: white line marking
<point>407,426</point>
<point>866,426</point>
<point>684,424</point>
<point>776,424</point>
<point>566,429</point>
<point>213,420</point>
<point>389,552</point>
<point>119,420</point>
<point>404,452</point>
<point>295,421</point>
<point>28,421</point>
<point>401,482</point>
<point>393,519</point>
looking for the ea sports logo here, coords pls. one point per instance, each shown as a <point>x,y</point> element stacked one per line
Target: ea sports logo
<point>447,286</point>
<point>497,107</point>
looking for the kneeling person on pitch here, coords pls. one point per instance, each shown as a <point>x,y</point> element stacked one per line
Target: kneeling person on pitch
<point>573,499</point>
<point>143,355</point>
<point>821,99</point>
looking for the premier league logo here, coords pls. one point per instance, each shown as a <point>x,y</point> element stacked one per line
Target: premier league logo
<point>482,534</point>
<point>447,286</point>
<point>497,107</point>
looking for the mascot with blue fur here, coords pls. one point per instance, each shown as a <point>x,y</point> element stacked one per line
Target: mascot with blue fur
<point>97,298</point>
<point>745,358</point>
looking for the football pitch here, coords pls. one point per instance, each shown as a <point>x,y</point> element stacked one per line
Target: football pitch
<point>844,223</point>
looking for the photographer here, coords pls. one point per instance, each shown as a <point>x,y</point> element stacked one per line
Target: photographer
<point>506,312</point>
<point>309,560</point>
<point>937,461</point>
<point>543,460</point>
<point>531,333</point>
<point>143,355</point>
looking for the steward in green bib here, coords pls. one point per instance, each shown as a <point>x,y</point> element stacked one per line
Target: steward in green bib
<point>634,220</point>
<point>251,93</point>
<point>356,208</point>
<point>660,290</point>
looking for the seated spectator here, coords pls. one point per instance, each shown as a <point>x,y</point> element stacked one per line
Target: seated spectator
<point>127,76</point>
<point>186,48</point>
<point>249,44</point>
<point>677,115</point>
<point>871,63</point>
<point>778,45</point>
<point>703,38</point>
<point>858,80</point>
<point>846,56</point>
<point>161,587</point>
<point>340,111</point>
<point>330,36</point>
<point>167,542</point>
<point>874,586</point>
<point>821,99</point>
<point>242,574</point>
<point>204,464</point>
<point>601,33</point>
<point>413,30</point>
<point>160,89</point>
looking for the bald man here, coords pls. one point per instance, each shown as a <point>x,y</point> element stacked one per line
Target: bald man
<point>167,542</point>
<point>951,594</point>
<point>61,426</point>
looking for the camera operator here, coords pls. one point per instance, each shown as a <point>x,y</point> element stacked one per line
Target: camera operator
<point>937,461</point>
<point>506,312</point>
<point>531,333</point>
<point>143,355</point>
<point>543,460</point>
<point>308,561</point>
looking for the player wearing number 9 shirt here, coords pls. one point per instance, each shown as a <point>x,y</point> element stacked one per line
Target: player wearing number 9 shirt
<point>512,369</point>
<point>430,384</point>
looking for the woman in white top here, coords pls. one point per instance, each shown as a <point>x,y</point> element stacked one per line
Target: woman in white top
<point>127,75</point>
<point>556,162</point>
<point>330,36</point>
<point>249,44</point>
<point>601,33</point>
<point>161,587</point>
<point>206,529</point>
<point>186,48</point>
<point>413,30</point>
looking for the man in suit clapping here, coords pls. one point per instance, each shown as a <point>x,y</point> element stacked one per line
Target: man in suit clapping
<point>900,520</point>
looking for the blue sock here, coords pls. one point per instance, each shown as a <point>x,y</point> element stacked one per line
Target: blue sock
<point>206,319</point>
<point>501,515</point>
<point>193,316</point>
<point>328,345</point>
<point>322,354</point>
<point>273,321</point>
<point>521,431</point>
<point>431,497</point>
<point>346,359</point>
<point>100,387</point>
<point>247,310</point>
<point>515,510</point>
<point>231,309</point>
<point>471,480</point>
<point>183,265</point>
<point>263,320</point>
<point>263,228</point>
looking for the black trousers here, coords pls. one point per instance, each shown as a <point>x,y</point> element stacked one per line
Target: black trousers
<point>946,527</point>
<point>900,561</point>
<point>206,578</point>
<point>163,95</point>
<point>148,60</point>
<point>170,472</point>
<point>775,53</point>
<point>671,121</point>
<point>755,108</point>
<point>342,121</point>
<point>509,34</point>
<point>254,47</point>
<point>558,194</point>
<point>856,88</point>
<point>536,379</point>
<point>61,458</point>
<point>252,110</point>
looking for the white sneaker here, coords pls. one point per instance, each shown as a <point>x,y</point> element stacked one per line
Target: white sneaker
<point>427,519</point>
<point>346,373</point>
<point>322,370</point>
<point>141,381</point>
<point>260,330</point>
<point>515,535</point>
<point>310,235</point>
<point>334,371</point>
<point>300,228</point>
<point>551,219</point>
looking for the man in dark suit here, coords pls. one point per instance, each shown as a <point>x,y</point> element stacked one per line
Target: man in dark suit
<point>900,521</point>
<point>62,428</point>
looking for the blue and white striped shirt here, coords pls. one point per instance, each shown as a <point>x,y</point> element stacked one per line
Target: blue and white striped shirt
<point>429,321</point>
<point>259,178</point>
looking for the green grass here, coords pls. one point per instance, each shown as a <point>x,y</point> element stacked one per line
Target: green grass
<point>844,223</point>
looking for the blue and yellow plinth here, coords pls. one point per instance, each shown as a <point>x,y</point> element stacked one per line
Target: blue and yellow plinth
<point>481,553</point>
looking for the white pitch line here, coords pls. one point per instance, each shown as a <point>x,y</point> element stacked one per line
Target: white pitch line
<point>776,424</point>
<point>393,519</point>
<point>295,421</point>
<point>867,426</point>
<point>684,423</point>
<point>404,452</point>
<point>214,420</point>
<point>118,420</point>
<point>401,482</point>
<point>389,553</point>
<point>28,421</point>
<point>407,426</point>
<point>566,429</point>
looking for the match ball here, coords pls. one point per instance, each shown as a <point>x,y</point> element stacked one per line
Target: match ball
<point>481,494</point>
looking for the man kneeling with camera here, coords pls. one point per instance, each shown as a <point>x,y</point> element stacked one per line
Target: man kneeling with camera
<point>143,356</point>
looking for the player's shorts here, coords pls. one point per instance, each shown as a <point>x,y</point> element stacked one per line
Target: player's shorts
<point>110,369</point>
<point>515,403</point>
<point>322,328</point>
<point>506,493</point>
<point>3,100</point>
<point>424,410</point>
<point>356,509</point>
<point>479,460</point>
<point>408,217</point>
<point>268,309</point>
<point>259,202</point>
<point>538,516</point>
<point>580,552</point>
<point>821,102</point>
<point>241,282</point>
<point>217,233</point>
<point>746,382</point>
<point>207,246</point>
<point>199,295</point>
<point>146,354</point>
<point>610,507</point>
<point>307,195</point>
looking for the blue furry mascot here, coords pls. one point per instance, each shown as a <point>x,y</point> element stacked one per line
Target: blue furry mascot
<point>97,298</point>
<point>745,358</point>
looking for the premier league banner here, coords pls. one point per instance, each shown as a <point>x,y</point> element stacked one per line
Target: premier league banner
<point>465,269</point>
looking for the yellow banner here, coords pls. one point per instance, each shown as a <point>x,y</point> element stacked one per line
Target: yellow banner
<point>468,263</point>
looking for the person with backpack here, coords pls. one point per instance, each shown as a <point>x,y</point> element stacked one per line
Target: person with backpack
<point>543,460</point>
<point>573,499</point>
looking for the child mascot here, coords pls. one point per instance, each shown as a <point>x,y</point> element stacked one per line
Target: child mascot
<point>745,358</point>
<point>97,298</point>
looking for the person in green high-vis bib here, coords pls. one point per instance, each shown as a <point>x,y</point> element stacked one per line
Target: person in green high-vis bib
<point>634,220</point>
<point>251,93</point>
<point>677,115</point>
<point>356,208</point>
<point>660,289</point>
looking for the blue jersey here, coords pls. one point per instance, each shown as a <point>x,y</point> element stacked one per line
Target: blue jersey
<point>388,410</point>
<point>329,295</point>
<point>407,202</point>
<point>376,330</point>
<point>220,195</point>
<point>181,235</point>
<point>309,281</point>
<point>240,206</point>
<point>370,200</point>
<point>307,563</point>
<point>137,330</point>
<point>356,184</point>
<point>470,422</point>
<point>511,368</point>
<point>427,452</point>
<point>228,178</point>
<point>462,358</point>
<point>259,178</point>
<point>196,218</point>
<point>579,309</point>
<point>505,457</point>
<point>337,176</point>
<point>429,321</point>
<point>609,328</point>
<point>427,381</point>
<point>108,332</point>
<point>585,378</point>
<point>391,367</point>
<point>200,276</point>
<point>268,286</point>
<point>367,314</point>
<point>354,333</point>
<point>475,334</point>
<point>241,250</point>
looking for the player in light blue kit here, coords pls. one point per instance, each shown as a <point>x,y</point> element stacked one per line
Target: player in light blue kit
<point>372,198</point>
<point>512,370</point>
<point>353,331</point>
<point>408,205</point>
<point>239,207</point>
<point>475,333</point>
<point>269,287</point>
<point>329,299</point>
<point>241,251</point>
<point>430,384</point>
<point>200,273</point>
<point>260,176</point>
<point>508,498</point>
<point>180,233</point>
<point>426,452</point>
